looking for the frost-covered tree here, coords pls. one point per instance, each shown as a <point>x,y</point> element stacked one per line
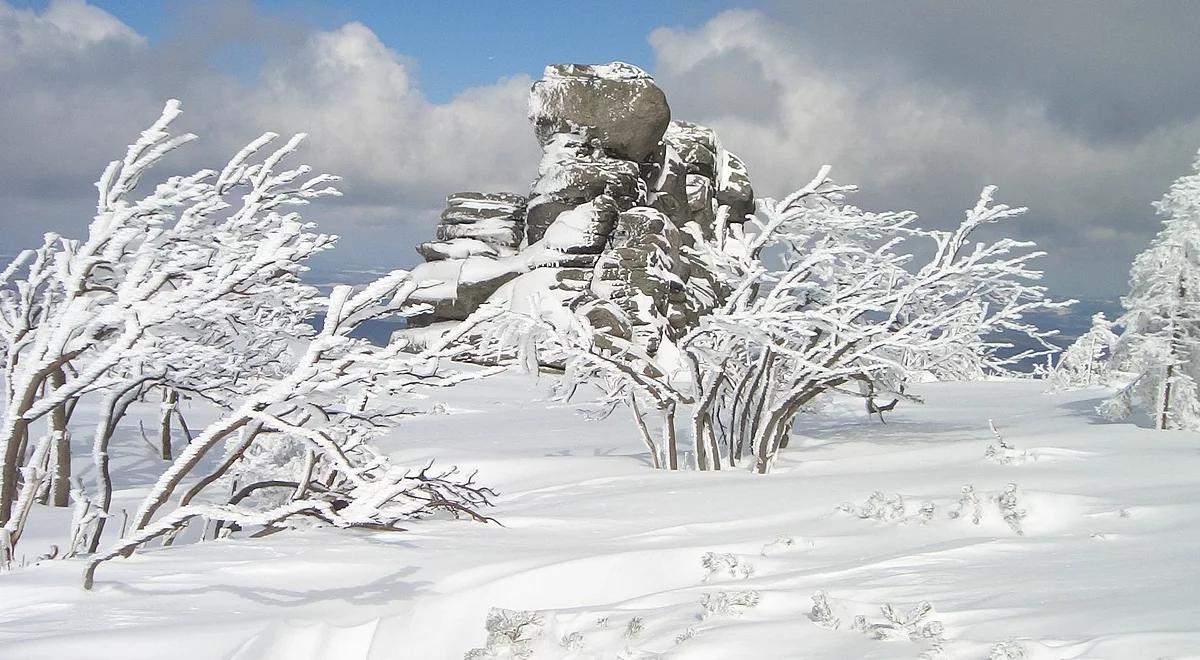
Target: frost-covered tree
<point>1087,362</point>
<point>842,305</point>
<point>194,288</point>
<point>1161,341</point>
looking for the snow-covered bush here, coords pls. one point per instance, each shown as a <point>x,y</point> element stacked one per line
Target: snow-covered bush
<point>1007,505</point>
<point>843,306</point>
<point>194,286</point>
<point>510,635</point>
<point>727,603</point>
<point>1010,650</point>
<point>912,625</point>
<point>725,564</point>
<point>968,506</point>
<point>1010,508</point>
<point>915,624</point>
<point>1087,362</point>
<point>892,508</point>
<point>1003,453</point>
<point>194,289</point>
<point>1160,344</point>
<point>888,507</point>
<point>822,613</point>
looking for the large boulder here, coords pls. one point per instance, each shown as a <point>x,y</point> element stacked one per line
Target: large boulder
<point>576,182</point>
<point>584,229</point>
<point>609,229</point>
<point>618,104</point>
<point>477,224</point>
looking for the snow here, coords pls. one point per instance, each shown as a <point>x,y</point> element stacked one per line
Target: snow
<point>1105,568</point>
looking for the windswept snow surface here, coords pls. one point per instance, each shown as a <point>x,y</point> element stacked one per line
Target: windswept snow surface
<point>1108,565</point>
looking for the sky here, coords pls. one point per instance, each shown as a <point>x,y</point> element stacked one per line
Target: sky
<point>1082,111</point>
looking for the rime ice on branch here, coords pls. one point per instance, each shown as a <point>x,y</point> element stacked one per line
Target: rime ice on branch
<point>844,305</point>
<point>194,289</point>
<point>1160,344</point>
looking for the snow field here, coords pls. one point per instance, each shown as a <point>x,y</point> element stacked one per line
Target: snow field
<point>593,540</point>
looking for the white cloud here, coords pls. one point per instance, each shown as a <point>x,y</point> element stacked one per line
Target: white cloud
<point>83,84</point>
<point>923,145</point>
<point>65,25</point>
<point>78,85</point>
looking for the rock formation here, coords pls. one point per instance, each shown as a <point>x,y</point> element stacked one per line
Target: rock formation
<point>621,194</point>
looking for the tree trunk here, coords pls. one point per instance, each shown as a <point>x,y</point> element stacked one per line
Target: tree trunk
<point>10,471</point>
<point>169,399</point>
<point>60,484</point>
<point>655,459</point>
<point>669,436</point>
<point>1164,405</point>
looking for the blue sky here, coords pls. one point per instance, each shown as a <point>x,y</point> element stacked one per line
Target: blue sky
<point>1082,110</point>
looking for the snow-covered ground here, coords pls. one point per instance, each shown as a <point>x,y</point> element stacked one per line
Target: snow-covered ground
<point>1108,565</point>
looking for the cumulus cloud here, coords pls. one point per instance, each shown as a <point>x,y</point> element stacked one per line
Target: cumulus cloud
<point>80,84</point>
<point>928,140</point>
<point>1082,111</point>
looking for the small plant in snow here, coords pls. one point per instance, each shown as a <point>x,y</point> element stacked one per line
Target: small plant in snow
<point>780,545</point>
<point>912,625</point>
<point>634,627</point>
<point>968,502</point>
<point>572,641</point>
<point>883,507</point>
<point>925,513</point>
<point>510,635</point>
<point>1010,650</point>
<point>1007,501</point>
<point>1003,453</point>
<point>879,506</point>
<point>821,614</point>
<point>602,622</point>
<point>727,603</point>
<point>725,563</point>
<point>685,635</point>
<point>1010,508</point>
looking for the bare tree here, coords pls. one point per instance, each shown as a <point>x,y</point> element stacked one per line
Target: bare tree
<point>845,306</point>
<point>194,290</point>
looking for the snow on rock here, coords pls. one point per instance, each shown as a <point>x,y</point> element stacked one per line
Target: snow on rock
<point>461,248</point>
<point>577,181</point>
<point>618,103</point>
<point>477,225</point>
<point>612,159</point>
